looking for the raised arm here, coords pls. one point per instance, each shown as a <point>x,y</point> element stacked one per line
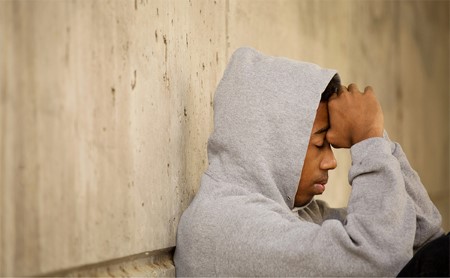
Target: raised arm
<point>356,116</point>
<point>376,239</point>
<point>428,218</point>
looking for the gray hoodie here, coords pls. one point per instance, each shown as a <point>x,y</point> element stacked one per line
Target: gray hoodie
<point>242,222</point>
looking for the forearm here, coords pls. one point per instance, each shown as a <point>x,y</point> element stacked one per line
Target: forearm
<point>375,235</point>
<point>428,218</point>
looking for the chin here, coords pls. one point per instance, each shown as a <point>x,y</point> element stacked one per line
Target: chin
<point>303,202</point>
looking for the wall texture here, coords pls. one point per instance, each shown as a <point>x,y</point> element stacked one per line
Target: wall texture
<point>106,107</point>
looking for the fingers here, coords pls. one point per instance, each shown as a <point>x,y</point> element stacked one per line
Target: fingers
<point>331,138</point>
<point>336,95</point>
<point>336,140</point>
<point>368,89</point>
<point>339,92</point>
<point>353,88</point>
<point>354,116</point>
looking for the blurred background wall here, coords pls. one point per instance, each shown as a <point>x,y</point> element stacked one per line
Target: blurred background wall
<point>106,108</point>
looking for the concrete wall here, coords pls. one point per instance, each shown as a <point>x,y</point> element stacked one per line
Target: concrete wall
<point>106,107</point>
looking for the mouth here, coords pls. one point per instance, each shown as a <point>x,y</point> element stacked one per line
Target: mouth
<point>322,181</point>
<point>319,185</point>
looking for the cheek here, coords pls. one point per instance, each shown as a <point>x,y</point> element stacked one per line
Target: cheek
<point>308,165</point>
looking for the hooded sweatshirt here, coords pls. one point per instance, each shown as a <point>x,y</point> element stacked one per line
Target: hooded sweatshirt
<point>242,222</point>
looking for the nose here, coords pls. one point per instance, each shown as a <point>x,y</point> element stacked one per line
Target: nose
<point>329,161</point>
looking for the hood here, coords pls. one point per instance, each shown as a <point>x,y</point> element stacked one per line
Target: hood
<point>264,109</point>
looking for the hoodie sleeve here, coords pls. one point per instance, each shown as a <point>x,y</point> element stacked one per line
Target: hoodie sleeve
<point>376,239</point>
<point>428,218</point>
<point>380,214</point>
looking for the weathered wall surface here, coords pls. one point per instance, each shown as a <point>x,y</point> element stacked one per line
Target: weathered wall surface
<point>106,110</point>
<point>106,107</point>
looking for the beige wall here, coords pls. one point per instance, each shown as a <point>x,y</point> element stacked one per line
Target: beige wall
<point>106,107</point>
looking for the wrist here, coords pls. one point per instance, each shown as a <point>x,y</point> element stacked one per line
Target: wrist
<point>369,146</point>
<point>374,133</point>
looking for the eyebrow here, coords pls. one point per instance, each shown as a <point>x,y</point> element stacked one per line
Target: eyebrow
<point>322,130</point>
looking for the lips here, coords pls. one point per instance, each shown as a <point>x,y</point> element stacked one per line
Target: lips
<point>322,181</point>
<point>319,185</point>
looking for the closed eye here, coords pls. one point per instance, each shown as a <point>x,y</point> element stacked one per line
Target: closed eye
<point>322,130</point>
<point>320,145</point>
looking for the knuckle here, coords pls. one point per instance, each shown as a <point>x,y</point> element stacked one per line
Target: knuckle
<point>332,103</point>
<point>332,97</point>
<point>352,87</point>
<point>330,136</point>
<point>368,89</point>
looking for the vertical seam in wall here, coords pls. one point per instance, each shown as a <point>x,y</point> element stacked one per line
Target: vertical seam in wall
<point>2,143</point>
<point>227,42</point>
<point>448,80</point>
<point>398,87</point>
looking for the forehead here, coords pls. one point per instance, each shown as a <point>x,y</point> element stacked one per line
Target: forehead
<point>321,120</point>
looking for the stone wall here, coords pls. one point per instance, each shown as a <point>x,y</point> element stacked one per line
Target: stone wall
<point>106,108</point>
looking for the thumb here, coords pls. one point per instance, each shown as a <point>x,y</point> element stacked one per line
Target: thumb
<point>332,138</point>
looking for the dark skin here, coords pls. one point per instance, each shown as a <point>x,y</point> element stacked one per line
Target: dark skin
<point>349,117</point>
<point>354,116</point>
<point>319,160</point>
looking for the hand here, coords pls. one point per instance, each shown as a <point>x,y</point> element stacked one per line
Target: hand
<point>354,117</point>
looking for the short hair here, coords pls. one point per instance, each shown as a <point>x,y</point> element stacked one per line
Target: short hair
<point>332,87</point>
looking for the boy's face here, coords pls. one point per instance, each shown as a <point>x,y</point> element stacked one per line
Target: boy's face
<point>319,159</point>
